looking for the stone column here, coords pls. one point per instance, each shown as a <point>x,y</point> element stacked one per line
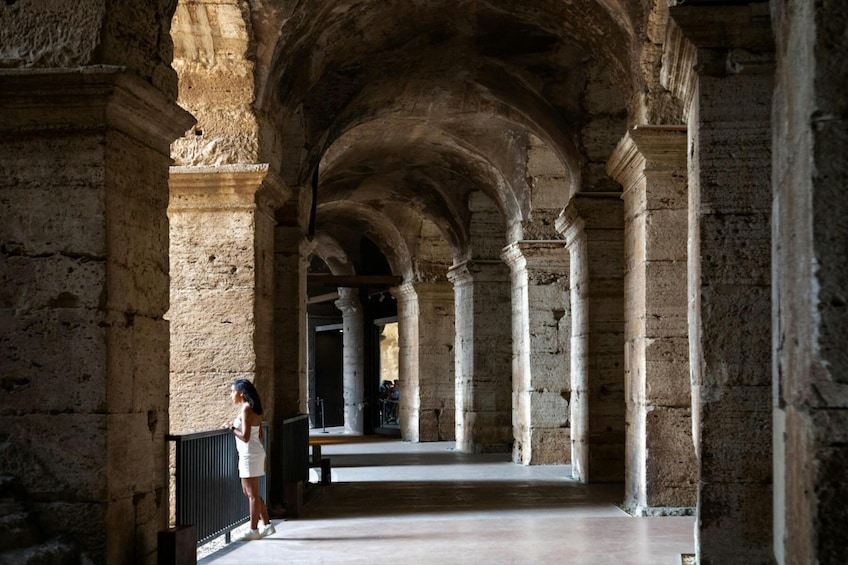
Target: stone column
<point>426,327</point>
<point>810,335</point>
<point>593,228</point>
<point>541,335</point>
<point>222,280</point>
<point>482,357</point>
<point>728,96</point>
<point>353,342</point>
<point>84,279</point>
<point>408,359</point>
<point>650,164</point>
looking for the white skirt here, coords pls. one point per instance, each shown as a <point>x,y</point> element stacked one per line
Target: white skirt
<point>251,465</point>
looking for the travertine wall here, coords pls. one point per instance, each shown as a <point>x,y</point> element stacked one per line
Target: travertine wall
<point>650,164</point>
<point>811,327</point>
<point>84,278</point>
<point>728,96</point>
<point>213,56</point>
<point>541,336</point>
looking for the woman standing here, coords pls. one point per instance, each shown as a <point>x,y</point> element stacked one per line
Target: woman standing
<point>247,428</point>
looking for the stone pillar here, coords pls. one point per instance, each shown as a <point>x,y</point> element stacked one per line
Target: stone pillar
<point>593,228</point>
<point>353,342</point>
<point>290,321</point>
<point>728,96</point>
<point>650,164</point>
<point>222,280</point>
<point>84,279</point>
<point>810,380</point>
<point>541,335</point>
<point>426,327</point>
<point>482,357</point>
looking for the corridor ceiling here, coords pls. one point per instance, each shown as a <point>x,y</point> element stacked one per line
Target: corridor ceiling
<point>409,106</point>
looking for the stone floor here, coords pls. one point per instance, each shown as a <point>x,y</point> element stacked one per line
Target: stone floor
<point>397,502</point>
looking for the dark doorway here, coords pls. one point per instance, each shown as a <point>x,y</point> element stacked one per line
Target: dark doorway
<point>329,377</point>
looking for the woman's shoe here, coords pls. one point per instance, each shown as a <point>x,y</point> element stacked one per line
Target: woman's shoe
<point>250,536</point>
<point>268,530</point>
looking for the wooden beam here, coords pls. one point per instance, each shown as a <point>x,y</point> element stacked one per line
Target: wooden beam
<point>323,298</point>
<point>355,281</point>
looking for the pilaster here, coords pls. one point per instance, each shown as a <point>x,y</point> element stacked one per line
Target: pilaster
<point>222,283</point>
<point>426,326</point>
<point>84,192</point>
<point>592,225</point>
<point>541,333</point>
<point>482,356</point>
<point>729,276</point>
<point>290,318</point>
<point>650,164</point>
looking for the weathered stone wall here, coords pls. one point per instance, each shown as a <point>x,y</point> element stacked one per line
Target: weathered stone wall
<point>389,352</point>
<point>69,34</point>
<point>213,58</point>
<point>811,327</point>
<point>550,185</point>
<point>83,266</point>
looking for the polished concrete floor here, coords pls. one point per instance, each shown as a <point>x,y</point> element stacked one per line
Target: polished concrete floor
<point>395,502</point>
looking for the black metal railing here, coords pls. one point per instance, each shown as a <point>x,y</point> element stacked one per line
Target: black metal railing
<point>208,489</point>
<point>294,455</point>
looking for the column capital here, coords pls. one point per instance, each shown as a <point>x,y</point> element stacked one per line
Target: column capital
<point>404,292</point>
<point>227,187</point>
<point>723,27</point>
<point>91,98</point>
<point>717,41</point>
<point>590,210</point>
<point>348,302</point>
<point>647,147</point>
<point>550,254</point>
<point>479,270</point>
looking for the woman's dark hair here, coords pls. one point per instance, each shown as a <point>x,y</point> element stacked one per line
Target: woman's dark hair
<point>250,394</point>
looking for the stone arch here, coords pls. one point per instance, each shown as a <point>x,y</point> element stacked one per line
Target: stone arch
<point>372,224</point>
<point>328,249</point>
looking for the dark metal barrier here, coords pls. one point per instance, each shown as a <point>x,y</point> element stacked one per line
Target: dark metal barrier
<point>208,488</point>
<point>294,456</point>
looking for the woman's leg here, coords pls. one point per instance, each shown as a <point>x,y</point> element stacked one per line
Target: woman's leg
<point>258,510</point>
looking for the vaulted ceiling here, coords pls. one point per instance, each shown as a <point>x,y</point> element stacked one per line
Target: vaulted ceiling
<point>407,107</point>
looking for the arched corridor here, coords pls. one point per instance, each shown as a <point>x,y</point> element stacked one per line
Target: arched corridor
<point>612,234</point>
